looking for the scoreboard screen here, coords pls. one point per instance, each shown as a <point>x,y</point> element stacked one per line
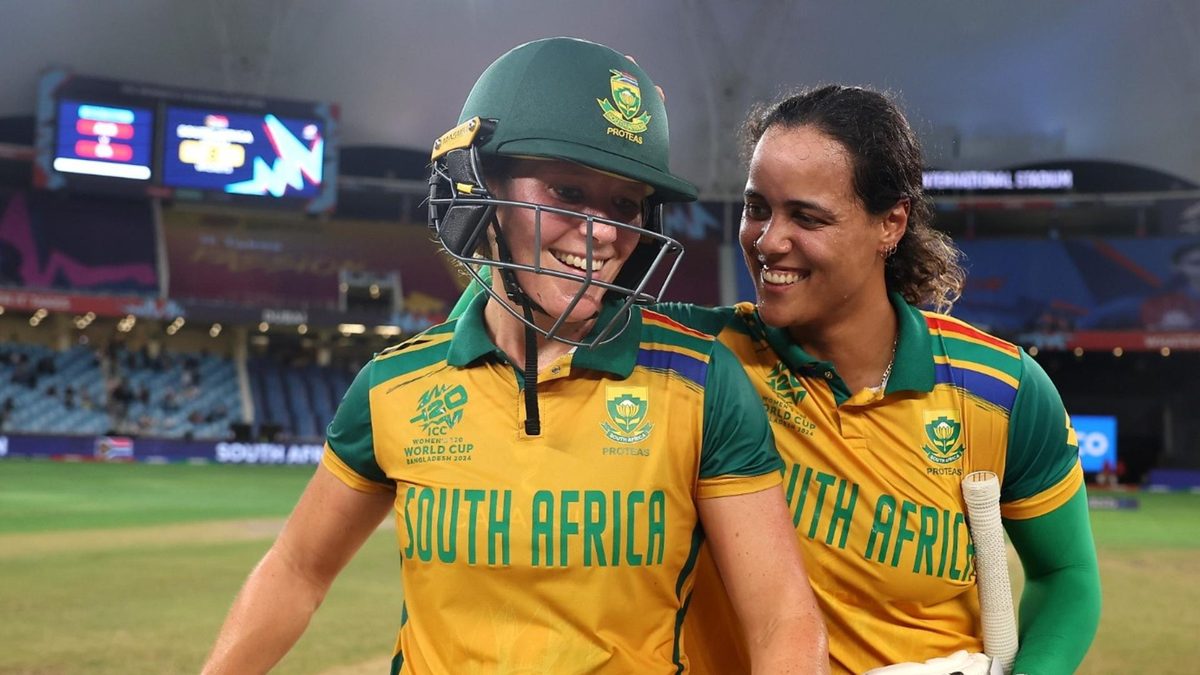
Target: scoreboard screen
<point>165,142</point>
<point>99,139</point>
<point>243,153</point>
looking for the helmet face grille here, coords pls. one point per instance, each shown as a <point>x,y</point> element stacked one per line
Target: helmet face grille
<point>570,100</point>
<point>461,210</point>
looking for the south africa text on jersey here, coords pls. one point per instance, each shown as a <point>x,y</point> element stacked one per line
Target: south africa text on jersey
<point>923,538</point>
<point>423,450</point>
<point>590,528</point>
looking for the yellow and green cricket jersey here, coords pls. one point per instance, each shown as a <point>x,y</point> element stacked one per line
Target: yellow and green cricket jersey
<point>873,480</point>
<point>569,552</point>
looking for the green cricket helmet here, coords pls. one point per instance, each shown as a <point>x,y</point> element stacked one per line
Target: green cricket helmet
<point>565,99</point>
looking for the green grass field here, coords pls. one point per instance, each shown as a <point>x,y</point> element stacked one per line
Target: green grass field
<point>129,568</point>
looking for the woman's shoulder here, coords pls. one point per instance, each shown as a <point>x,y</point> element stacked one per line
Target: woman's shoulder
<point>430,346</point>
<point>709,320</point>
<point>961,345</point>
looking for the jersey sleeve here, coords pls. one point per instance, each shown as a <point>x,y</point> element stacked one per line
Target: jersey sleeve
<point>349,442</point>
<point>1060,603</point>
<point>738,454</point>
<point>1042,469</point>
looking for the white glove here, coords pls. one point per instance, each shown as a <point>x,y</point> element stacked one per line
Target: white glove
<point>958,663</point>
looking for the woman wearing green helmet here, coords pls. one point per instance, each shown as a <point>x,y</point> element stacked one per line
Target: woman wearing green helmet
<point>555,456</point>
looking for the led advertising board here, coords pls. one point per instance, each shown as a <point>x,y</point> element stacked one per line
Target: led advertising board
<point>243,153</point>
<point>109,136</point>
<point>1097,436</point>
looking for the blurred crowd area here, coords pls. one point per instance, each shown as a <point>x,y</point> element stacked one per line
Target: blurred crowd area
<point>192,386</point>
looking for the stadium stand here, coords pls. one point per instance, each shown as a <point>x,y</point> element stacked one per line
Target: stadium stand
<point>176,395</point>
<point>82,391</point>
<point>1107,286</point>
<point>300,399</point>
<point>43,391</point>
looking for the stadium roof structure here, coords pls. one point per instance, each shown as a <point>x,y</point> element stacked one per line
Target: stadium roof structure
<point>987,84</point>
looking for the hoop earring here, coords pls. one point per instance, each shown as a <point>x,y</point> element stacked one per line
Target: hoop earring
<point>887,252</point>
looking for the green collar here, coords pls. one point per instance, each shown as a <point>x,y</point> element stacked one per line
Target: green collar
<point>618,356</point>
<point>913,367</point>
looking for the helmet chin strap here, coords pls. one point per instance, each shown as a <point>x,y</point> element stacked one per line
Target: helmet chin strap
<point>533,422</point>
<point>517,294</point>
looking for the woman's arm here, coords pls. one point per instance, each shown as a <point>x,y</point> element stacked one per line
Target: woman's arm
<point>754,546</point>
<point>1045,510</point>
<point>328,526</point>
<point>1060,604</point>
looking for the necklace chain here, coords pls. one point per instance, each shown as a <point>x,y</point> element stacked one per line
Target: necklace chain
<point>887,372</point>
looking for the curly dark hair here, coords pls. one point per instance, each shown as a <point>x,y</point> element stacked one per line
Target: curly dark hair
<point>926,267</point>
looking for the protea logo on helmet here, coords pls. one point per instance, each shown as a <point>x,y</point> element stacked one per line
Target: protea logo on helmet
<point>627,408</point>
<point>945,437</point>
<point>627,95</point>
